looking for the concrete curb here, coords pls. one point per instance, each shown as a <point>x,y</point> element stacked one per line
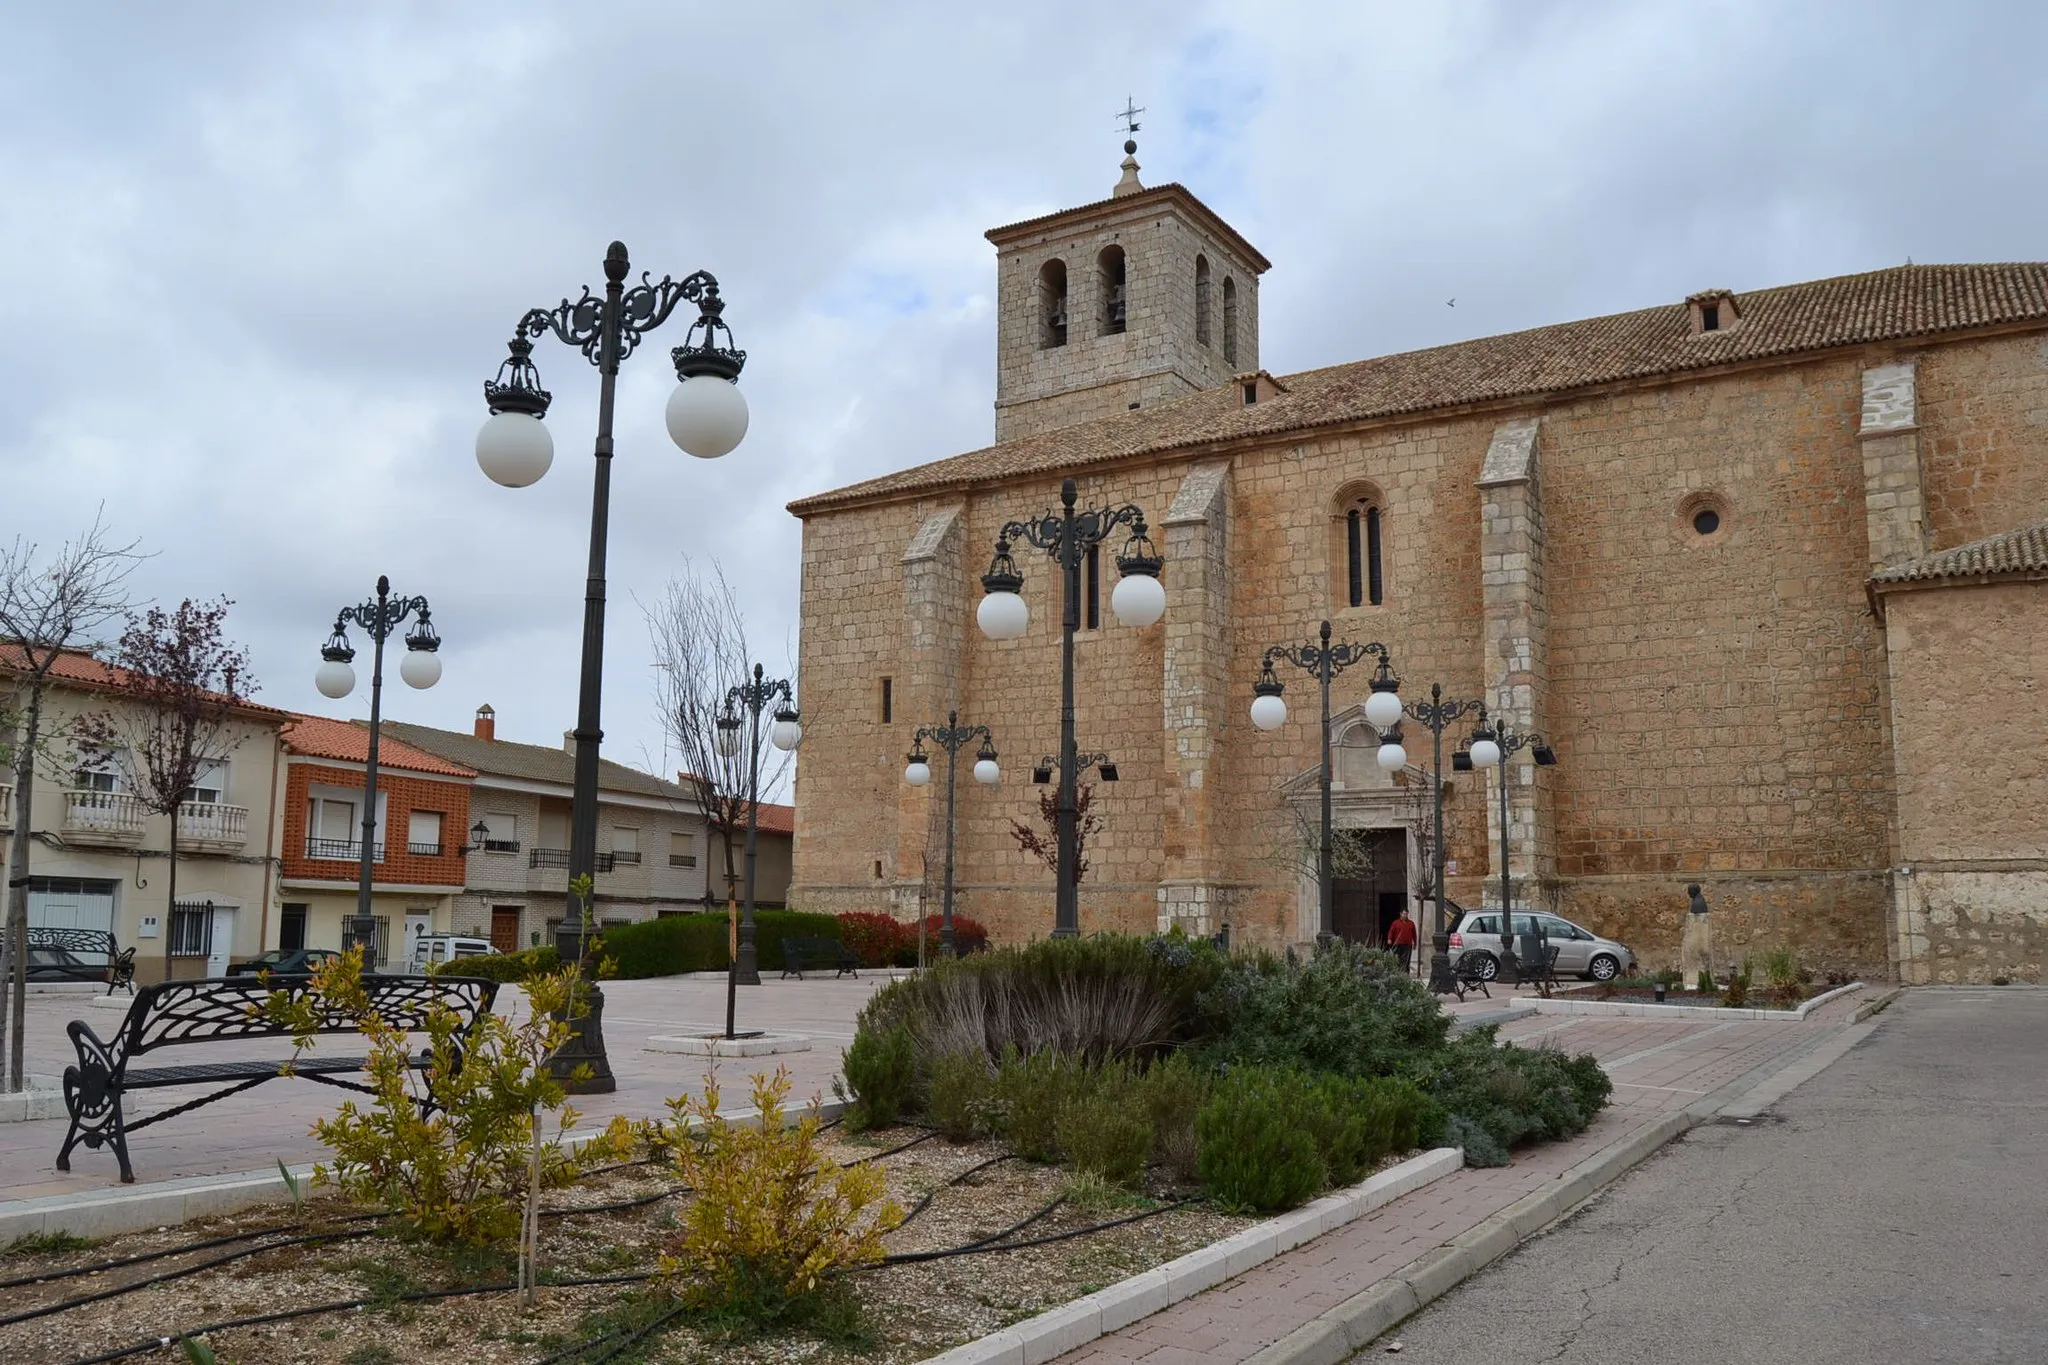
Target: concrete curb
<point>696,1045</point>
<point>1354,1324</point>
<point>1059,1330</point>
<point>43,1099</point>
<point>1638,1010</point>
<point>1873,1005</point>
<point>166,1203</point>
<point>1501,1016</point>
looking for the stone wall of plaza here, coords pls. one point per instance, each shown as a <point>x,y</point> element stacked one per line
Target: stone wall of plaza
<point>1968,671</point>
<point>1718,702</point>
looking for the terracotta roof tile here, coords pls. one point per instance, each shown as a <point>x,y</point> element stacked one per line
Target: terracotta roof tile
<point>1884,305</point>
<point>320,737</point>
<point>82,669</point>
<point>2022,551</point>
<point>531,762</point>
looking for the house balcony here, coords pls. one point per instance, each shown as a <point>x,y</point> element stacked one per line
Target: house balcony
<point>204,825</point>
<point>109,819</point>
<point>548,869</point>
<point>341,851</point>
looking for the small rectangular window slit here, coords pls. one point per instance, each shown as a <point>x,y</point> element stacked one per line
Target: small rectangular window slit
<point>888,702</point>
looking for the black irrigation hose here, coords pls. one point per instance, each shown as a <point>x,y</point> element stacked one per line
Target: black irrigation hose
<point>641,1334</point>
<point>101,1295</point>
<point>908,1257</point>
<point>140,1257</point>
<point>933,1193</point>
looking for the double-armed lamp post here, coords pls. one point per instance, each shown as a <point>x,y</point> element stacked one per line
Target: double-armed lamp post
<point>951,737</point>
<point>380,618</point>
<point>1138,600</point>
<point>706,416</point>
<point>1491,746</point>
<point>787,732</point>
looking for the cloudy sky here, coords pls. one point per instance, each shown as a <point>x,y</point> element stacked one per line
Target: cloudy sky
<point>258,259</point>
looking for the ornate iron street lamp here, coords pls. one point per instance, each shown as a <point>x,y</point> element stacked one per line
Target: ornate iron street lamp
<point>1382,708</point>
<point>950,737</point>
<point>753,697</point>
<point>1491,746</point>
<point>1438,715</point>
<point>1138,600</point>
<point>706,416</point>
<point>381,617</point>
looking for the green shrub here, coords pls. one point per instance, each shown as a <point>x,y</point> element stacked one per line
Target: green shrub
<point>1481,1148</point>
<point>1704,982</point>
<point>1347,1010</point>
<point>960,1095</point>
<point>513,967</point>
<point>1174,1090</point>
<point>697,942</point>
<point>1781,969</point>
<point>881,1071</point>
<point>1029,1093</point>
<point>1358,1122</point>
<point>1735,995</point>
<point>1255,1151</point>
<point>1103,1129</point>
<point>1516,1094</point>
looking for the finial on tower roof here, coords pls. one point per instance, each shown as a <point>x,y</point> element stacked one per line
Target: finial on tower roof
<point>1129,117</point>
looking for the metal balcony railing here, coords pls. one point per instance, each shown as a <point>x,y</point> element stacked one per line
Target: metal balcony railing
<point>559,858</point>
<point>209,822</point>
<point>424,850</point>
<point>100,817</point>
<point>627,858</point>
<point>341,850</point>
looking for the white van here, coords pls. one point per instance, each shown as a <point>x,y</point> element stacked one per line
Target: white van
<point>433,949</point>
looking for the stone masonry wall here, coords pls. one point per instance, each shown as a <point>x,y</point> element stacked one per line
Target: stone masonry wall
<point>1983,437</point>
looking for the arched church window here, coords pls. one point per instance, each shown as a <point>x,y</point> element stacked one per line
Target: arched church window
<point>1110,266</point>
<point>1229,320</point>
<point>1203,328</point>
<point>1358,548</point>
<point>1052,304</point>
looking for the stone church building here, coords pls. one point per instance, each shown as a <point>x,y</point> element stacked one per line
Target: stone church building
<point>1768,569</point>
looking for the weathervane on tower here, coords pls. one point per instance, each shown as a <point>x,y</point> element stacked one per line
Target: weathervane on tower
<point>1129,118</point>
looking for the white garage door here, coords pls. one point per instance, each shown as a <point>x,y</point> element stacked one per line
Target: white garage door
<point>71,903</point>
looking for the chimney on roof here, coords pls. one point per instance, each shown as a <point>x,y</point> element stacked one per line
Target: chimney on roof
<point>568,741</point>
<point>486,722</point>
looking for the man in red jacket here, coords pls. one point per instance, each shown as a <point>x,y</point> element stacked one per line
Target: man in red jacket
<point>1401,938</point>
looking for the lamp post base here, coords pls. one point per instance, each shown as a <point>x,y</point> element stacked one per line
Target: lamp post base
<point>585,1048</point>
<point>747,968</point>
<point>1441,979</point>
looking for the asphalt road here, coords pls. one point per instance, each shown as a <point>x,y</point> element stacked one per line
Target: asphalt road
<point>1892,1209</point>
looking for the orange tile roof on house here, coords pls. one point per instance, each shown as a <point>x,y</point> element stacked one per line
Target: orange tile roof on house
<point>80,669</point>
<point>2019,552</point>
<point>774,819</point>
<point>345,741</point>
<point>1850,310</point>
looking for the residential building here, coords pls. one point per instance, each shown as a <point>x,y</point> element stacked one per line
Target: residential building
<point>651,837</point>
<point>1740,557</point>
<point>418,864</point>
<point>100,859</point>
<point>774,836</point>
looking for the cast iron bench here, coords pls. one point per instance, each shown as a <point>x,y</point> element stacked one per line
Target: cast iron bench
<point>225,1009</point>
<point>817,954</point>
<point>96,945</point>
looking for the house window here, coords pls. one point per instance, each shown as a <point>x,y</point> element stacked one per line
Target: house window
<point>888,702</point>
<point>192,930</point>
<point>99,780</point>
<point>291,928</point>
<point>1229,320</point>
<point>334,824</point>
<point>501,832</point>
<point>1052,305</point>
<point>210,786</point>
<point>1203,326</point>
<point>625,845</point>
<point>423,834</point>
<point>380,934</point>
<point>1109,267</point>
<point>1710,317</point>
<point>682,850</point>
<point>1091,589</point>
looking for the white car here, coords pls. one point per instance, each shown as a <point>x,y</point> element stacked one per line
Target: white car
<point>429,950</point>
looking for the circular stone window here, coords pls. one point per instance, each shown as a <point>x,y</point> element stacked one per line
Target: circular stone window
<point>1702,517</point>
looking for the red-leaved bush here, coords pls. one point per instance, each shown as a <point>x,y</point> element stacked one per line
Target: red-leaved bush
<point>884,941</point>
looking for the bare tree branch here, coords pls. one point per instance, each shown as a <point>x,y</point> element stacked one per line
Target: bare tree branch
<point>48,605</point>
<point>1044,844</point>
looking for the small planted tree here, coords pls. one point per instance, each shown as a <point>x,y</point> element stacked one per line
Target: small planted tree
<point>183,685</point>
<point>1042,840</point>
<point>50,604</point>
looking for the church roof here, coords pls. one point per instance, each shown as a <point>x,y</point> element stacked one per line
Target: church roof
<point>1849,310</point>
<point>1145,199</point>
<point>2022,551</point>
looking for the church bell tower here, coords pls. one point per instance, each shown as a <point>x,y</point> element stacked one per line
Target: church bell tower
<point>1120,305</point>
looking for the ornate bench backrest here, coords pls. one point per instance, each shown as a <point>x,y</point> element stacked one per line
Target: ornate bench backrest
<point>95,943</point>
<point>173,1012</point>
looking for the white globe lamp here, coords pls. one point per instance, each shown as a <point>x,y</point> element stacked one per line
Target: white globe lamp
<point>1269,711</point>
<point>514,449</point>
<point>421,668</point>
<point>1485,753</point>
<point>917,772</point>
<point>1392,756</point>
<point>1003,616</point>
<point>335,679</point>
<point>1383,709</point>
<point>707,416</point>
<point>727,741</point>
<point>786,733</point>
<point>986,772</point>
<point>1139,600</point>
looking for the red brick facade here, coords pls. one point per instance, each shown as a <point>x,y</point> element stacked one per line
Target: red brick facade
<point>403,794</point>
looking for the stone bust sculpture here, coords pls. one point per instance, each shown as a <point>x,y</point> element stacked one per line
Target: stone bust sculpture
<point>1698,902</point>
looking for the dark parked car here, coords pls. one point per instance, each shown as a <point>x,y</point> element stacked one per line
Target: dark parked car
<point>278,962</point>
<point>60,964</point>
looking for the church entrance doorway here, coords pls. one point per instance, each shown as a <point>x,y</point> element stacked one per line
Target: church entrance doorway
<point>1371,885</point>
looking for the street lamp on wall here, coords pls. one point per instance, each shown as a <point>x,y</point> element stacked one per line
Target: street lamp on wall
<point>706,416</point>
<point>1138,600</point>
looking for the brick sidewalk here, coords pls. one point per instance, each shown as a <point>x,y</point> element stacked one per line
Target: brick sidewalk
<point>1657,1067</point>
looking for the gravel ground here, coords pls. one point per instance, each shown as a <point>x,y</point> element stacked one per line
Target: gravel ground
<point>913,1310</point>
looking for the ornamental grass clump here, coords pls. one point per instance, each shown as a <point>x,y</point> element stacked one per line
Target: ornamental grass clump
<point>466,1167</point>
<point>774,1218</point>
